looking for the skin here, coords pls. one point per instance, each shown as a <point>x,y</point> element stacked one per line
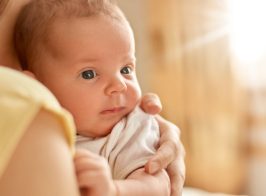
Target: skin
<point>30,172</point>
<point>90,166</point>
<point>104,79</point>
<point>170,154</point>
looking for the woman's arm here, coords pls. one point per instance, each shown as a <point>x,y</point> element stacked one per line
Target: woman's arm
<point>42,163</point>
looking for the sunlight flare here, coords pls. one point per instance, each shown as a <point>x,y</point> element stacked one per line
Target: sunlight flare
<point>248,29</point>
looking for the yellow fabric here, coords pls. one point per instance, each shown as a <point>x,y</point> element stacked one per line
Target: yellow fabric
<point>21,98</point>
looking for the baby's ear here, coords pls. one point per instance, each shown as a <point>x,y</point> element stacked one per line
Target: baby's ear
<point>29,73</point>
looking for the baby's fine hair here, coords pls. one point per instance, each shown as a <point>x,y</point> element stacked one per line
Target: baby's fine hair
<point>33,22</point>
<point>3,4</point>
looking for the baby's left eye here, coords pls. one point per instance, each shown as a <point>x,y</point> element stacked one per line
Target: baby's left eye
<point>126,70</point>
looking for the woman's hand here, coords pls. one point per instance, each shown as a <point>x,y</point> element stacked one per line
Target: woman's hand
<point>151,104</point>
<point>170,154</point>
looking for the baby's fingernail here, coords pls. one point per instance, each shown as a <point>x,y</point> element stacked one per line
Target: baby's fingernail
<point>154,167</point>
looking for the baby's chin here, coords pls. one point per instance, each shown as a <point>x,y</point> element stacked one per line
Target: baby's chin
<point>98,131</point>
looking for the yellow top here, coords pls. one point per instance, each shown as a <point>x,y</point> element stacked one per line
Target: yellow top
<point>21,98</point>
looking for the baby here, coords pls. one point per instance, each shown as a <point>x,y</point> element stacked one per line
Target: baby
<point>84,52</point>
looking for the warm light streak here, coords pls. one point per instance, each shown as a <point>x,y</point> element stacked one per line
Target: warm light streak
<point>248,29</point>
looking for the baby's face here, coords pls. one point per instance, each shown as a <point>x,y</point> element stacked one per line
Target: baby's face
<point>89,65</point>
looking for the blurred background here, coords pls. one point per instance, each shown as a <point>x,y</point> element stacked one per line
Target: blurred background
<point>206,59</point>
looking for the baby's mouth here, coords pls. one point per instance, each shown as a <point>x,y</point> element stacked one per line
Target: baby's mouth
<point>113,110</point>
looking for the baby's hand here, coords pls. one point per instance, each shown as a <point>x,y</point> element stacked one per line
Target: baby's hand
<point>93,174</point>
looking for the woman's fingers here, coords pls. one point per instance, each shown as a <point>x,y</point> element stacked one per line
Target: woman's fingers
<point>170,155</point>
<point>176,172</point>
<point>170,147</point>
<point>150,103</point>
<point>163,157</point>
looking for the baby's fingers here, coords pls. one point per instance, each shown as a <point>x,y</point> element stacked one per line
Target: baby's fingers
<point>85,160</point>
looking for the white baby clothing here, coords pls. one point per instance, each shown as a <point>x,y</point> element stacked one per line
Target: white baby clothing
<point>132,141</point>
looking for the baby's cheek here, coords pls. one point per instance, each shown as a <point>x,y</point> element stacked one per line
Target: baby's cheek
<point>137,92</point>
<point>133,93</point>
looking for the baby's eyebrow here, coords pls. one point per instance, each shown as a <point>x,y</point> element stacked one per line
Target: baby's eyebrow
<point>131,59</point>
<point>89,59</point>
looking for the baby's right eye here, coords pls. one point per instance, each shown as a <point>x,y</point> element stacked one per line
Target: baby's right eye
<point>88,74</point>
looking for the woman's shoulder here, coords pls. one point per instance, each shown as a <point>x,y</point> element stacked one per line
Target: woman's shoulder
<point>22,97</point>
<point>15,83</point>
<point>17,87</point>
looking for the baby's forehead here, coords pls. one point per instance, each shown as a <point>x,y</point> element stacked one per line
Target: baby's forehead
<point>66,12</point>
<point>79,34</point>
<point>76,24</point>
<point>73,22</point>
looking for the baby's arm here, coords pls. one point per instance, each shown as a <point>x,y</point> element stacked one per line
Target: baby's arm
<point>141,183</point>
<point>94,179</point>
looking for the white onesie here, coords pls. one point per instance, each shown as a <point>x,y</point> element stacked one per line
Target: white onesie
<point>130,144</point>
